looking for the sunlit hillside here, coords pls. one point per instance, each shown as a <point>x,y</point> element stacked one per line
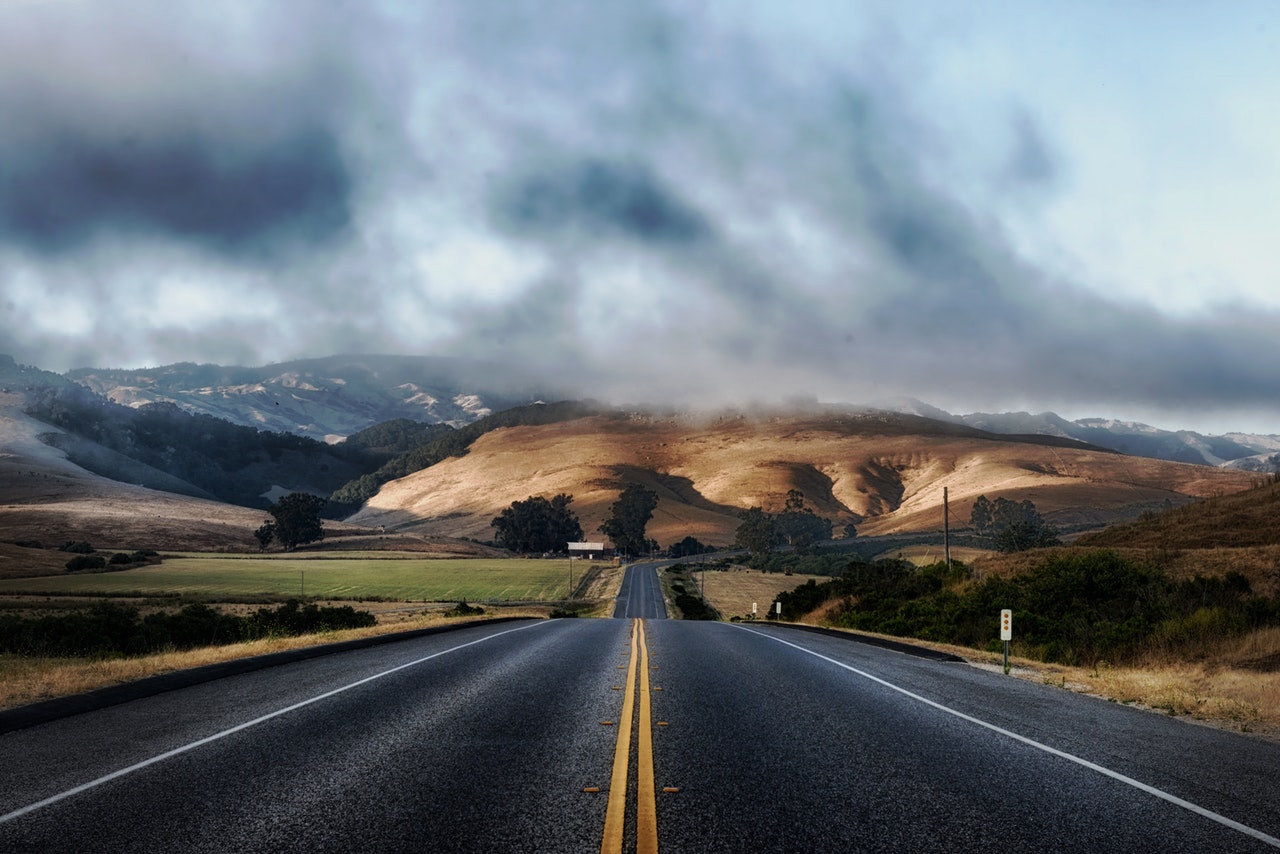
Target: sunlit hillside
<point>885,474</point>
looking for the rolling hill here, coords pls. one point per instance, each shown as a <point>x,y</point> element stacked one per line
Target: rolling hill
<point>885,473</point>
<point>47,499</point>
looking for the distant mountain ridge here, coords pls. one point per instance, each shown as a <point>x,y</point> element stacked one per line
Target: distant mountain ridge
<point>327,398</point>
<point>884,471</point>
<point>1243,451</point>
<point>337,396</point>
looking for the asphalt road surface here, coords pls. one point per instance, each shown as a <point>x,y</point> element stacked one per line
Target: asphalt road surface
<point>641,594</point>
<point>631,734</point>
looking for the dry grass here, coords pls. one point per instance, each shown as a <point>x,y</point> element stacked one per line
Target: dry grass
<point>1259,564</point>
<point>927,555</point>
<point>1237,686</point>
<point>1225,692</point>
<point>733,592</point>
<point>603,583</point>
<point>28,680</point>
<point>1239,520</point>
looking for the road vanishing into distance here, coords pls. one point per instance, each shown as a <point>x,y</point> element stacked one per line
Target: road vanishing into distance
<point>637,733</point>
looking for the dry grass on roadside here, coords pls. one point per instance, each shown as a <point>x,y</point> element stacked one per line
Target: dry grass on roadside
<point>604,583</point>
<point>732,592</point>
<point>1233,683</point>
<point>1221,691</point>
<point>26,680</point>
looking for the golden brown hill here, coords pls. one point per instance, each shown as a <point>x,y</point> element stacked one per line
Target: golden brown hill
<point>885,473</point>
<point>1240,520</point>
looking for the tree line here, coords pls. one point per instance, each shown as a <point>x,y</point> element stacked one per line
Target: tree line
<point>539,525</point>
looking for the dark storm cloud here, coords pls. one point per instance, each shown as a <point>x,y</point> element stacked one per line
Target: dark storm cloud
<point>228,131</point>
<point>533,181</point>
<point>596,198</point>
<point>61,191</point>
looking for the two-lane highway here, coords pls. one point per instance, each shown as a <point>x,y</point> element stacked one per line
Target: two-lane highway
<point>631,734</point>
<point>641,593</point>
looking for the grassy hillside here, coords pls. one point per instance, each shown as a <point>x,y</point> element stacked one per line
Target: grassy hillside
<point>1244,519</point>
<point>441,445</point>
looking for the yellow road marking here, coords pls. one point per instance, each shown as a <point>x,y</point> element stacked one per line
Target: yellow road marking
<point>615,814</point>
<point>646,799</point>
<point>646,802</point>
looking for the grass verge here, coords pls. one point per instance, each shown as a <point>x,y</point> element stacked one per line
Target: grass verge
<point>26,680</point>
<point>1227,696</point>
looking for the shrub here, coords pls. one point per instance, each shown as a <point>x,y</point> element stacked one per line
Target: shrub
<point>462,609</point>
<point>110,629</point>
<point>80,562</point>
<point>1078,607</point>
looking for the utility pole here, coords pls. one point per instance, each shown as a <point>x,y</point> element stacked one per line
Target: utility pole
<point>946,529</point>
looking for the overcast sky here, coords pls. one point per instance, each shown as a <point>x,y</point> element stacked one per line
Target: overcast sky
<point>987,206</point>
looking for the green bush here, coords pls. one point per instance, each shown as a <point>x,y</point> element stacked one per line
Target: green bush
<point>80,562</point>
<point>1078,607</point>
<point>108,629</point>
<point>462,609</point>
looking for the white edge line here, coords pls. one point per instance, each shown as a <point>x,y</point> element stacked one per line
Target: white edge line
<point>1115,775</point>
<point>137,766</point>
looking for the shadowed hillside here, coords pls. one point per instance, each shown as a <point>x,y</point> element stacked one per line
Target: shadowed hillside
<point>47,498</point>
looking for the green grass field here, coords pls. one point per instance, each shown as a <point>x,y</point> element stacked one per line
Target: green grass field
<point>233,577</point>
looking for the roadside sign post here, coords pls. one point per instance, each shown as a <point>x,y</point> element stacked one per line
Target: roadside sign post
<point>779,607</point>
<point>1006,635</point>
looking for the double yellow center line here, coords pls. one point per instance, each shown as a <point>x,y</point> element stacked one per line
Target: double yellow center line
<point>646,804</point>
